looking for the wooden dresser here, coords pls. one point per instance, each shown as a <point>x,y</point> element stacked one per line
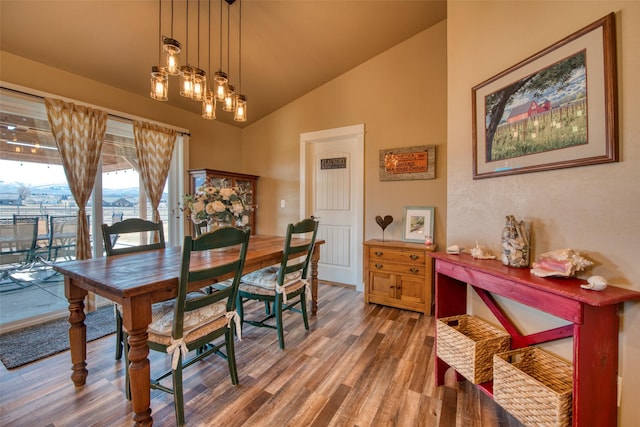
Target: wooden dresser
<point>398,274</point>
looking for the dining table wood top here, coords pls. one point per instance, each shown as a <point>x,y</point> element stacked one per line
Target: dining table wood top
<point>156,272</point>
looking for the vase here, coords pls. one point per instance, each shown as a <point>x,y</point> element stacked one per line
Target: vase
<point>515,247</point>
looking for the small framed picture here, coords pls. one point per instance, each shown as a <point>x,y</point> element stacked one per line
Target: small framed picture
<point>417,224</point>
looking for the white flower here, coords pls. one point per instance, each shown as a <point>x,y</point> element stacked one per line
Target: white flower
<point>226,193</point>
<point>220,203</point>
<point>237,207</point>
<point>198,206</point>
<point>210,209</point>
<point>217,206</point>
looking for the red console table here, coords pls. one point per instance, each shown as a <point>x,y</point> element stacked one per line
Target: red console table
<point>593,317</point>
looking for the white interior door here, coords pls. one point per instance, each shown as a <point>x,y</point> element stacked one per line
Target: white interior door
<point>331,189</point>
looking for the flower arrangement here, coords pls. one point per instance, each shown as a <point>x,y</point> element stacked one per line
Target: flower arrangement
<point>217,205</point>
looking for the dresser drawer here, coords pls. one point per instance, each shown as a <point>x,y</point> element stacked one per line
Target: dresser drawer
<point>383,266</point>
<point>395,255</point>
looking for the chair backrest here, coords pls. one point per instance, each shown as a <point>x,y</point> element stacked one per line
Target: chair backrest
<point>228,245</point>
<point>133,226</point>
<point>296,256</point>
<point>200,228</point>
<point>62,236</point>
<point>43,222</point>
<point>18,241</point>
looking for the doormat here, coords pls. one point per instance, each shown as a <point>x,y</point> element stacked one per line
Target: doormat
<point>36,342</point>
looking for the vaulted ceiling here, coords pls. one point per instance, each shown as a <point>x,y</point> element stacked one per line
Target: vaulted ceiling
<point>289,47</point>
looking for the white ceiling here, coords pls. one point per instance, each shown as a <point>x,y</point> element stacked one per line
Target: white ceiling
<point>289,47</point>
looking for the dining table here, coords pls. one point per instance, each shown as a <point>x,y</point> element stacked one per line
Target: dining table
<point>138,280</point>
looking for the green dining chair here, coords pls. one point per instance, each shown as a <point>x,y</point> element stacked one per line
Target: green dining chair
<point>283,286</point>
<point>136,235</point>
<point>193,320</point>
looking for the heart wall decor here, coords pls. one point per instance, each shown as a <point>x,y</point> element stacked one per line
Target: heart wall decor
<point>384,222</point>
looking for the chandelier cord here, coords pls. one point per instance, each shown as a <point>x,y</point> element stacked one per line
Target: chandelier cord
<point>171,18</point>
<point>220,34</point>
<point>186,50</point>
<point>198,56</point>
<point>240,47</point>
<point>228,38</point>
<point>160,33</point>
<point>209,40</point>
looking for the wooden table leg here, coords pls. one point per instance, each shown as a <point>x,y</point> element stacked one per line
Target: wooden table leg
<point>77,332</point>
<point>136,317</point>
<point>315,257</point>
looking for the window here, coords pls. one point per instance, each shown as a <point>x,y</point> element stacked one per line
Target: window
<point>32,180</point>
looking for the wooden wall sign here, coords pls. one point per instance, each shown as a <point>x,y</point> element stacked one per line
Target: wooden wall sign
<point>406,163</point>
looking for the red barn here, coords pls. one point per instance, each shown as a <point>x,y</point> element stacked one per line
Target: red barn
<point>528,109</point>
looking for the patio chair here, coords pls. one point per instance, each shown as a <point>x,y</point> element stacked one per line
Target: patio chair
<point>62,237</point>
<point>115,217</point>
<point>278,284</point>
<point>41,226</point>
<point>43,231</point>
<point>194,320</point>
<point>17,246</point>
<point>131,227</point>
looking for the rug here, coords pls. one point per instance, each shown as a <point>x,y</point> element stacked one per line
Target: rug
<point>36,342</point>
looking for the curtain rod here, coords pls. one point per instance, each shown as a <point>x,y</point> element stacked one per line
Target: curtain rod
<point>112,115</point>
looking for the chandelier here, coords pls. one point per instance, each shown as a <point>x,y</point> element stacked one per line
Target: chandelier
<point>193,79</point>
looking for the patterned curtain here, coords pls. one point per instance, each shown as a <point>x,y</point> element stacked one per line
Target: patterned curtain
<point>154,149</point>
<point>78,132</point>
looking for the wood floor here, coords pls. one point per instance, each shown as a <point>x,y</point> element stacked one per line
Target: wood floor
<point>358,365</point>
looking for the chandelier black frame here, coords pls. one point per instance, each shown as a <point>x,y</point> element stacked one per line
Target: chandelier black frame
<point>193,79</point>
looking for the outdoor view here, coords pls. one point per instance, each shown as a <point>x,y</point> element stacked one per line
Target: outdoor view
<point>41,189</point>
<point>29,287</point>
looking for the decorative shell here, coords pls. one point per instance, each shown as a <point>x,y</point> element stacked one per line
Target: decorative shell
<point>480,252</point>
<point>560,263</point>
<point>454,249</point>
<point>595,283</point>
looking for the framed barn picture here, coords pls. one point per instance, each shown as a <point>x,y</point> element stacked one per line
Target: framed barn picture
<point>556,109</point>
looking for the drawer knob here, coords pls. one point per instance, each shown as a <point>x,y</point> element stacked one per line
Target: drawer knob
<point>414,270</point>
<point>414,257</point>
<point>378,253</point>
<point>378,265</point>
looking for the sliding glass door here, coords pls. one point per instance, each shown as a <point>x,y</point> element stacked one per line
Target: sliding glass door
<point>32,183</point>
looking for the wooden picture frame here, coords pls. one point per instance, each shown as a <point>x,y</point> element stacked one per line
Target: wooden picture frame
<point>407,163</point>
<point>417,224</point>
<point>556,109</point>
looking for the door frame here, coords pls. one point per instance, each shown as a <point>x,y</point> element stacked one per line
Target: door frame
<point>357,166</point>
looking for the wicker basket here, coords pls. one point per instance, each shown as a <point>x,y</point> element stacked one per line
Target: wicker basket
<point>468,344</point>
<point>534,386</point>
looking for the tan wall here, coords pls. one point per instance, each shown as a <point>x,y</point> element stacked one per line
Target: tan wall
<point>409,110</point>
<point>593,209</point>
<point>213,144</point>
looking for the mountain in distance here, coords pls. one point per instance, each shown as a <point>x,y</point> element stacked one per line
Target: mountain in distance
<point>59,189</point>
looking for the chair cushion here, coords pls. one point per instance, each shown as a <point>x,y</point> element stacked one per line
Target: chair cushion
<point>267,278</point>
<point>162,316</point>
<point>257,290</point>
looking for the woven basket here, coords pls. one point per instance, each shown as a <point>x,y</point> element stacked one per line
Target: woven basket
<point>468,344</point>
<point>534,386</point>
